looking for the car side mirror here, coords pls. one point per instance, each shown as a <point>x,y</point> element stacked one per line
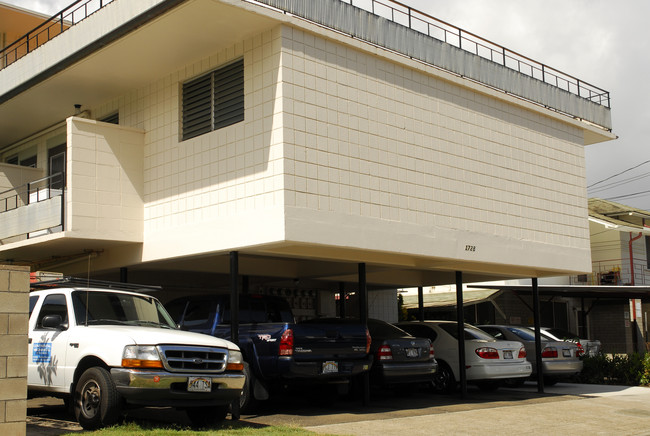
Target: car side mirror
<point>52,321</point>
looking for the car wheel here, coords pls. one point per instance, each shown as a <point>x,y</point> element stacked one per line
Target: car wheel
<point>443,380</point>
<point>96,400</point>
<point>247,401</point>
<point>207,416</point>
<point>488,385</point>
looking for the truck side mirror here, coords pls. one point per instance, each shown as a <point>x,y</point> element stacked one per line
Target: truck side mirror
<point>52,321</point>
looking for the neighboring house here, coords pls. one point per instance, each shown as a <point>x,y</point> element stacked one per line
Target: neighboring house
<point>610,296</point>
<point>309,147</point>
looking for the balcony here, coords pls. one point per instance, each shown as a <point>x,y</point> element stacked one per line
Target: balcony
<point>98,200</point>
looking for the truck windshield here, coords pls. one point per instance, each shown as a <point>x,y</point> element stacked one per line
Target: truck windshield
<point>97,307</point>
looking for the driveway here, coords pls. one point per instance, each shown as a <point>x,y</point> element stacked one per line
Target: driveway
<point>562,409</point>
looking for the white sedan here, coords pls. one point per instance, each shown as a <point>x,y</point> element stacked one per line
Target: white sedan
<point>488,361</point>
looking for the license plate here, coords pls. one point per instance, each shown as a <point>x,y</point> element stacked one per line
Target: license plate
<point>412,352</point>
<point>507,354</point>
<point>330,367</point>
<point>566,352</point>
<point>199,384</point>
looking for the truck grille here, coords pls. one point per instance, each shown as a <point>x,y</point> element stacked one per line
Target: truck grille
<point>180,358</point>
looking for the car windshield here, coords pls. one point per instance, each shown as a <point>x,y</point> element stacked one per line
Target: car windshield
<point>97,307</point>
<point>523,333</point>
<point>471,332</point>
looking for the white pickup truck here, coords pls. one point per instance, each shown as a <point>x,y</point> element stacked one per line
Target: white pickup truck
<point>101,349</point>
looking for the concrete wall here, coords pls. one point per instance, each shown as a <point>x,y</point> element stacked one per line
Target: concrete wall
<point>14,308</point>
<point>105,197</point>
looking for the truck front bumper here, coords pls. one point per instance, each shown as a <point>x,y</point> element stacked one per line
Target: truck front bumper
<point>162,388</point>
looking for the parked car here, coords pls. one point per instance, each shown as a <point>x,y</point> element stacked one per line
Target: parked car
<point>399,358</point>
<point>489,362</point>
<point>101,349</point>
<point>277,350</point>
<point>589,347</point>
<point>560,359</point>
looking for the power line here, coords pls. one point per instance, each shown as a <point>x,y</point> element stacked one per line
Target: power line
<point>618,174</point>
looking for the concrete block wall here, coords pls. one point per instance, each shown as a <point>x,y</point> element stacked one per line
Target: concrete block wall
<point>14,309</point>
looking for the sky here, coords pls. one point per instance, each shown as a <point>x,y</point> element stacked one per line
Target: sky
<point>601,42</point>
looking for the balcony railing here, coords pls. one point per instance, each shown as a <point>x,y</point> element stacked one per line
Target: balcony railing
<point>53,26</point>
<point>430,26</point>
<point>32,209</point>
<point>389,9</point>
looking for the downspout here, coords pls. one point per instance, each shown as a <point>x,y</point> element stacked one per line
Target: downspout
<point>632,239</point>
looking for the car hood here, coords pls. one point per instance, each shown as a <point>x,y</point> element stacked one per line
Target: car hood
<point>159,336</point>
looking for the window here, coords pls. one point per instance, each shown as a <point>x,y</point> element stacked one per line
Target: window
<point>113,118</point>
<point>214,100</point>
<point>54,304</point>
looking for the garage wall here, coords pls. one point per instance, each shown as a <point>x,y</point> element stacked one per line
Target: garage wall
<point>14,308</point>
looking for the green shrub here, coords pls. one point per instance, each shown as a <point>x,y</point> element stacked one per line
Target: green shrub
<point>625,369</point>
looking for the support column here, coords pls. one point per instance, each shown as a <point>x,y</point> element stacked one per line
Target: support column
<point>363,316</point>
<point>363,294</point>
<point>234,315</point>
<point>420,303</point>
<point>124,271</point>
<point>460,319</point>
<point>342,296</point>
<point>538,337</point>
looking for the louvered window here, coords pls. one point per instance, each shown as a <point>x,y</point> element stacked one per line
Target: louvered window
<point>214,100</point>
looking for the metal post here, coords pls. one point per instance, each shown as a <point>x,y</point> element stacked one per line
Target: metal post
<point>460,319</point>
<point>342,301</point>
<point>363,316</point>
<point>420,303</point>
<point>538,338</point>
<point>363,294</point>
<point>234,315</point>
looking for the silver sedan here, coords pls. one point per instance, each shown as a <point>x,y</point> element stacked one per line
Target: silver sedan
<point>559,358</point>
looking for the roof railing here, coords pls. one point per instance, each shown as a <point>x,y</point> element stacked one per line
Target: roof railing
<point>389,9</point>
<point>421,22</point>
<point>53,26</point>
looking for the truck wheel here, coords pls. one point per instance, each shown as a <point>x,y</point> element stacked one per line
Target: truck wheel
<point>96,400</point>
<point>247,401</point>
<point>206,416</point>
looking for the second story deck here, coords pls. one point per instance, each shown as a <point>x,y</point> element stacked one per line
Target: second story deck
<point>387,24</point>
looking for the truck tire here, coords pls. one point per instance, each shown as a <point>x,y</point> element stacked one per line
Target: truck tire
<point>96,400</point>
<point>247,401</point>
<point>206,416</point>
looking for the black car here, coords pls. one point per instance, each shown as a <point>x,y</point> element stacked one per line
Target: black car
<point>399,358</point>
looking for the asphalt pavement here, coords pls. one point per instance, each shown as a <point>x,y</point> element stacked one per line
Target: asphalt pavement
<point>563,409</point>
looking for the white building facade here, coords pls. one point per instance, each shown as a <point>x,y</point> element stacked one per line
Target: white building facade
<point>342,152</point>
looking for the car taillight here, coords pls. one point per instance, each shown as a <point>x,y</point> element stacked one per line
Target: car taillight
<point>431,353</point>
<point>384,353</point>
<point>549,352</point>
<point>368,341</point>
<point>581,350</point>
<point>487,353</point>
<point>286,343</point>
<point>522,353</point>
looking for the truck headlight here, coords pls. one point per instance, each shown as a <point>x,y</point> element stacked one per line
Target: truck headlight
<point>235,361</point>
<point>141,356</point>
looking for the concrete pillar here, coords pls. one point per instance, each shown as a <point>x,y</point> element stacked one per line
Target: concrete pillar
<point>14,320</point>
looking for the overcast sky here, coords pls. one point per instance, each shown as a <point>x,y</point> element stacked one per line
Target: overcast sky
<point>601,42</point>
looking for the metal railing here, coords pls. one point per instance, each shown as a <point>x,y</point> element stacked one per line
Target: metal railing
<point>53,26</point>
<point>389,9</point>
<point>32,192</point>
<point>442,31</point>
